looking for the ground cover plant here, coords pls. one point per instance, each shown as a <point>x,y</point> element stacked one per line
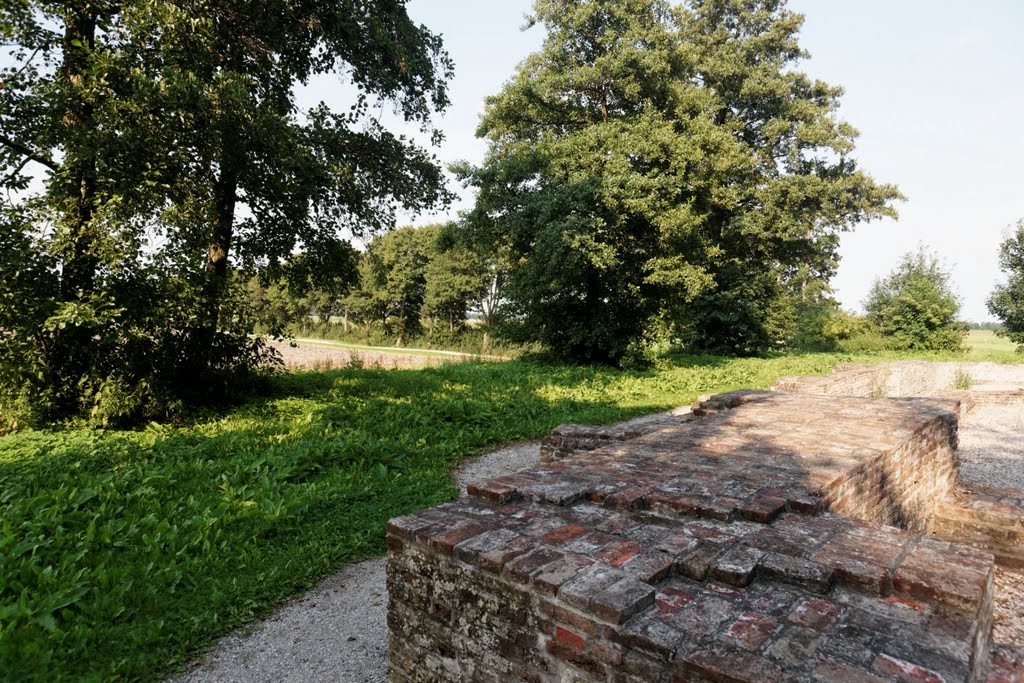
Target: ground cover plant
<point>123,553</point>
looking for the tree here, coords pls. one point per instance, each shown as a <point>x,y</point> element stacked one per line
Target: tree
<point>1007,300</point>
<point>915,307</point>
<point>172,154</point>
<point>300,178</point>
<point>303,290</point>
<point>660,163</point>
<point>455,278</point>
<point>392,280</point>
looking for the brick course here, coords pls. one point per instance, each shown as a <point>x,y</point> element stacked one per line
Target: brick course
<point>756,542</point>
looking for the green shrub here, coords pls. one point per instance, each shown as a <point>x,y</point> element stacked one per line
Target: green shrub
<point>915,307</point>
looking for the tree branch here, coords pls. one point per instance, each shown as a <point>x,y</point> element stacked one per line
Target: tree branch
<point>11,176</point>
<point>29,153</point>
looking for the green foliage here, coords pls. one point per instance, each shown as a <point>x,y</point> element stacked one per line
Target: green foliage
<point>1007,300</point>
<point>456,278</point>
<point>171,151</point>
<point>303,290</point>
<point>414,277</point>
<point>125,553</point>
<point>962,380</point>
<point>915,307</point>
<point>658,163</point>
<point>392,280</point>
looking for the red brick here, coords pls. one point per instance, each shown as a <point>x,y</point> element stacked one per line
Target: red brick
<point>493,490</point>
<point>550,578</point>
<point>573,640</point>
<point>750,630</point>
<point>628,499</point>
<point>649,567</point>
<point>618,553</point>
<point>523,567</point>
<point>762,509</point>
<point>732,666</point>
<point>444,536</point>
<point>569,617</point>
<point>622,600</point>
<point>670,600</point>
<point>815,613</point>
<point>563,534</point>
<point>836,672</point>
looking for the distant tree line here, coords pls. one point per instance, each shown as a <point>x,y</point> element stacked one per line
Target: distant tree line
<point>410,283</point>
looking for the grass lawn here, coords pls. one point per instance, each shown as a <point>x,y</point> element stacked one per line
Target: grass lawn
<point>123,554</point>
<point>985,345</point>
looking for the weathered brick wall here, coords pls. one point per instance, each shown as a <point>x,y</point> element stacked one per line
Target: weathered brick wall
<point>868,459</point>
<point>989,517</point>
<point>700,551</point>
<point>974,514</point>
<point>524,591</point>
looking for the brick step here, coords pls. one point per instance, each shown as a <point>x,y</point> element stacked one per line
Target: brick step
<point>987,517</point>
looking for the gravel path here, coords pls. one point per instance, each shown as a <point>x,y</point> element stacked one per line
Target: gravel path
<point>338,630</point>
<point>309,356</point>
<point>991,448</point>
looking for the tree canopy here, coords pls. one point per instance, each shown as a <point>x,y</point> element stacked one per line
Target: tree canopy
<point>656,166</point>
<point>1007,300</point>
<point>915,305</point>
<point>153,149</point>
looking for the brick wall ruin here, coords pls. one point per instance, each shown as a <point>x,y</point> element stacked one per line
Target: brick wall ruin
<point>768,536</point>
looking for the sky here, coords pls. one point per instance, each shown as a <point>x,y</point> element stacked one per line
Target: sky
<point>936,88</point>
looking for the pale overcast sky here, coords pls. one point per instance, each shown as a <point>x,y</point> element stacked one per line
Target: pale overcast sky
<point>936,88</point>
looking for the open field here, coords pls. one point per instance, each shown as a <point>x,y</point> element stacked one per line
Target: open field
<point>985,345</point>
<point>123,554</point>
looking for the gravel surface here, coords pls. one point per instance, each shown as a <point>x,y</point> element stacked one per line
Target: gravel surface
<point>308,356</point>
<point>338,630</point>
<point>991,448</point>
<point>335,632</point>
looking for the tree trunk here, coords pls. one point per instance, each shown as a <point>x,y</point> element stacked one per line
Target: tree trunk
<point>225,195</point>
<point>344,320</point>
<point>78,272</point>
<point>401,323</point>
<point>72,352</point>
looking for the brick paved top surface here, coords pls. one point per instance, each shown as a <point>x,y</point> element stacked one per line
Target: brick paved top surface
<point>705,545</point>
<point>752,455</point>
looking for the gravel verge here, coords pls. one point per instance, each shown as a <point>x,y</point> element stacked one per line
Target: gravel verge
<point>309,356</point>
<point>991,449</point>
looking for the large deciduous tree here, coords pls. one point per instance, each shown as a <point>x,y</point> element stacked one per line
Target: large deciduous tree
<point>1007,300</point>
<point>152,148</point>
<point>655,162</point>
